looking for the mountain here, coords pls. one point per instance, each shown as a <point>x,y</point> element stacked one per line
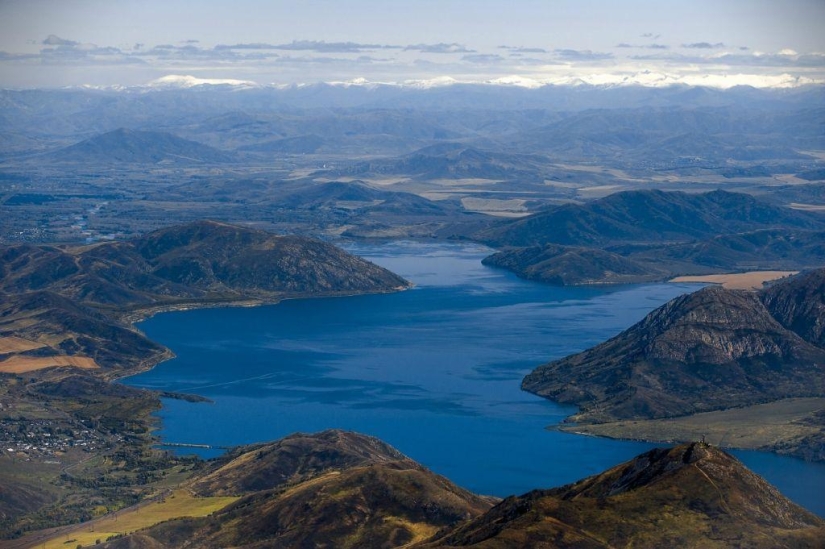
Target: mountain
<point>124,146</point>
<point>205,260</point>
<point>692,495</point>
<point>569,265</point>
<point>646,216</point>
<point>358,197</point>
<point>331,489</point>
<point>709,350</point>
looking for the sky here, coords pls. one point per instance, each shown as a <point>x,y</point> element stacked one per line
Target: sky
<point>56,43</point>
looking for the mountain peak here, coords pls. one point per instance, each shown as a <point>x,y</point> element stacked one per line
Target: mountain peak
<point>124,145</point>
<point>691,495</point>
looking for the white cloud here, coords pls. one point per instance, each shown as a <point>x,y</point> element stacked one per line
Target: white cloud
<point>188,81</point>
<point>309,61</point>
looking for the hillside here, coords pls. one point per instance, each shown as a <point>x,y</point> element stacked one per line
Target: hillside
<point>761,250</point>
<point>709,350</point>
<point>646,216</point>
<point>692,495</point>
<point>360,198</point>
<point>452,161</point>
<point>331,489</point>
<point>766,249</point>
<point>570,265</point>
<point>53,328</point>
<point>123,146</point>
<point>200,261</point>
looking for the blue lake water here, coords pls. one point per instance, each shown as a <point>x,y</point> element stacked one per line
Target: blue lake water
<point>434,371</point>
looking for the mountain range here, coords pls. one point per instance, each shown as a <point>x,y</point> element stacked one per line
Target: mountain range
<point>647,216</point>
<point>641,236</point>
<point>339,489</point>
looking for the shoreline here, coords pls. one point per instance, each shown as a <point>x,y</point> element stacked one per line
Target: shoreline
<point>770,427</point>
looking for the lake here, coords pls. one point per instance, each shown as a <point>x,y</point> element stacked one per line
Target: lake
<point>434,371</point>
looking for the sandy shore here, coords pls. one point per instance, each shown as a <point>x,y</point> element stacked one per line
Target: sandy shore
<point>738,281</point>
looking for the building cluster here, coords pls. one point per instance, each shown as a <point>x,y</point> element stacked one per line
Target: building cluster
<point>44,439</point>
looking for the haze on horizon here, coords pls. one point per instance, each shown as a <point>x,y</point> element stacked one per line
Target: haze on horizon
<point>45,43</point>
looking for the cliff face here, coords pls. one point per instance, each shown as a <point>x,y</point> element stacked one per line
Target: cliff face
<point>709,350</point>
<point>799,305</point>
<point>716,326</point>
<point>688,496</point>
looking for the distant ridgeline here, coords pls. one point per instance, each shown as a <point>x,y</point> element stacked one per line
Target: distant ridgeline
<point>641,236</point>
<point>76,301</point>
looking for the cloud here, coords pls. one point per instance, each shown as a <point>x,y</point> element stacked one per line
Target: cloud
<point>309,59</point>
<point>518,49</point>
<point>6,56</point>
<point>582,55</point>
<point>329,47</point>
<point>318,46</point>
<point>650,35</point>
<point>783,58</point>
<point>645,46</point>
<point>704,45</point>
<point>482,58</point>
<point>439,48</point>
<point>54,40</point>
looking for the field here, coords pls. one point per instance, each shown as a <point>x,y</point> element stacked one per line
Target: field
<point>13,344</point>
<point>752,427</point>
<point>179,504</point>
<point>753,280</point>
<point>22,364</point>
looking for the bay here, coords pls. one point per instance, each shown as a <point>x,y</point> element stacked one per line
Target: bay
<point>434,371</point>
